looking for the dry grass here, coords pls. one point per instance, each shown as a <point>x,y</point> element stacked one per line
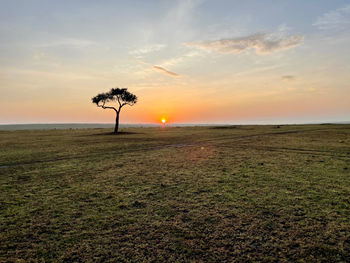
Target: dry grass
<point>194,194</point>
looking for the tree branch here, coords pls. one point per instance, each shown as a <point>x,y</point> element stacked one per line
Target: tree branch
<point>106,107</point>
<point>129,103</point>
<point>120,105</point>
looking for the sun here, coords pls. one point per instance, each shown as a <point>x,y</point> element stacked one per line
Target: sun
<point>163,120</point>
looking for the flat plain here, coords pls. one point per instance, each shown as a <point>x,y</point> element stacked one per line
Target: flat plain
<point>176,194</point>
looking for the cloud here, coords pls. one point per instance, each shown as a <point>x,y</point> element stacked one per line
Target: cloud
<point>288,78</point>
<point>261,42</point>
<point>158,68</point>
<point>335,19</point>
<point>147,49</point>
<point>73,42</point>
<point>165,71</point>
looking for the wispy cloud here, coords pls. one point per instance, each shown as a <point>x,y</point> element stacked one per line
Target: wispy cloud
<point>73,42</point>
<point>165,71</point>
<point>335,19</point>
<point>147,49</point>
<point>158,68</point>
<point>262,43</point>
<point>181,58</point>
<point>288,78</point>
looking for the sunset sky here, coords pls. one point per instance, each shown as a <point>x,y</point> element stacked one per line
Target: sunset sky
<point>198,61</point>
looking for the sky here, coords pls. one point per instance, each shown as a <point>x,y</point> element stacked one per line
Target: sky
<point>189,61</point>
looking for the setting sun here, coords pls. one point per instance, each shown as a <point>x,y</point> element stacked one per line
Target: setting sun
<point>163,120</point>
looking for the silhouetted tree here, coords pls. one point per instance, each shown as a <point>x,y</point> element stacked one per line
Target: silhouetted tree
<point>122,96</point>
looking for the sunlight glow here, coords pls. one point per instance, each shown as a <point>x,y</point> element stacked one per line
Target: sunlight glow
<point>187,62</point>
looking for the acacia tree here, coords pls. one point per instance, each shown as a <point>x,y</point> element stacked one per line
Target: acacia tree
<point>122,96</point>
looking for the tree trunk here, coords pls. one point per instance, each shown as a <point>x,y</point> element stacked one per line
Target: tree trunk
<point>116,123</point>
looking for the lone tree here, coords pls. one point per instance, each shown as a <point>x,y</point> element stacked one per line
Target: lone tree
<point>122,96</point>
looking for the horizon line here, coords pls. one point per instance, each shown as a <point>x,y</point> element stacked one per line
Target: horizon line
<point>176,123</point>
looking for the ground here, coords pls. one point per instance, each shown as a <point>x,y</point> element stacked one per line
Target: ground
<point>189,194</point>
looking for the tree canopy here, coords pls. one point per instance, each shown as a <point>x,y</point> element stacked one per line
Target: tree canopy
<point>122,96</point>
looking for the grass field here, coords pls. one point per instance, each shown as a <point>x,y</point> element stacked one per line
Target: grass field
<point>194,194</point>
